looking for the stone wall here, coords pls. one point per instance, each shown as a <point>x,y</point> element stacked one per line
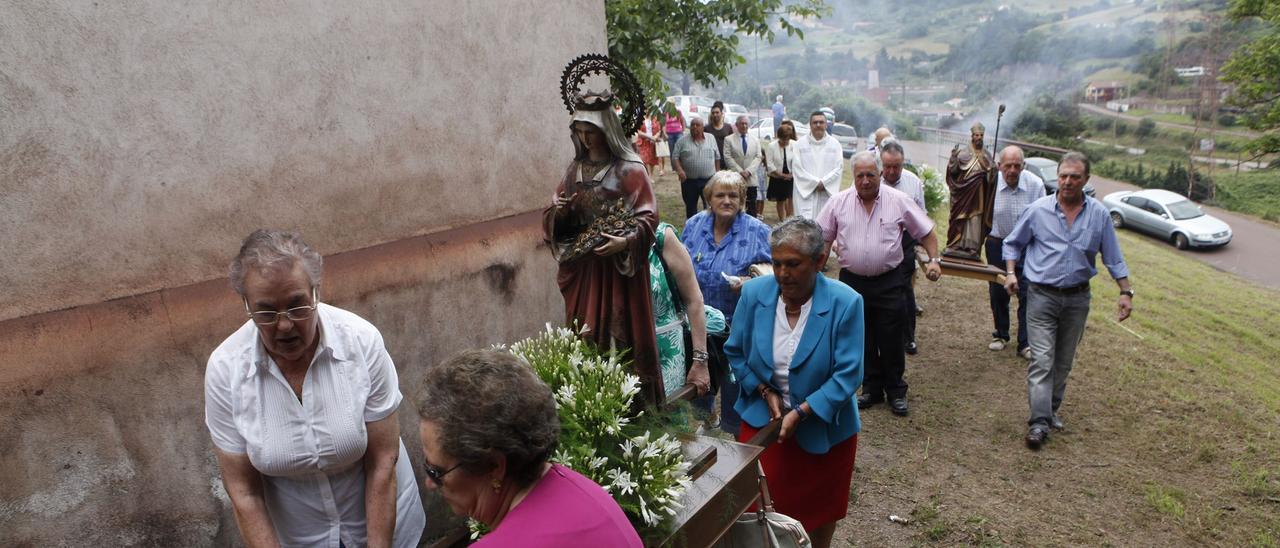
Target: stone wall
<point>410,142</point>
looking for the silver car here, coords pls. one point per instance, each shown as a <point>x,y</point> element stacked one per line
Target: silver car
<point>847,137</point>
<point>1168,216</point>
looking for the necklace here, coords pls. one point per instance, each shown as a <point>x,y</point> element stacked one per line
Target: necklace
<point>597,164</point>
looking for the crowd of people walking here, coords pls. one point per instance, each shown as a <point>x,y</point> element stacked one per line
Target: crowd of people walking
<point>302,400</point>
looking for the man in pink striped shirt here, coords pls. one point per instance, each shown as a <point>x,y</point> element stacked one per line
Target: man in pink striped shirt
<point>866,224</point>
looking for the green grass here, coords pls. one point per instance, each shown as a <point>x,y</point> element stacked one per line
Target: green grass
<point>1254,192</point>
<point>1222,326</point>
<point>1167,500</point>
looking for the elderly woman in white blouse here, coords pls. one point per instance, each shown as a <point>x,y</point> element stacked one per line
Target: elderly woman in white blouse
<point>301,404</point>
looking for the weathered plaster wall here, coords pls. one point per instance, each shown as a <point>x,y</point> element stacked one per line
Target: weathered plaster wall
<point>141,140</point>
<point>409,141</point>
<point>101,406</point>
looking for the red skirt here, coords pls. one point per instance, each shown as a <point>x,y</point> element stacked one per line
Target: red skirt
<point>647,150</point>
<point>811,488</point>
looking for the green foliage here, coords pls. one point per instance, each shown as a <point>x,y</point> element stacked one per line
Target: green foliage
<point>641,466</point>
<point>696,37</point>
<point>1253,192</point>
<point>1146,128</point>
<point>1174,177</point>
<point>1054,118</point>
<point>1254,68</point>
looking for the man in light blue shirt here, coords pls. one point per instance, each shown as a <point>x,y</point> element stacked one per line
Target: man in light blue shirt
<point>1058,238</point>
<point>1015,190</point>
<point>779,113</point>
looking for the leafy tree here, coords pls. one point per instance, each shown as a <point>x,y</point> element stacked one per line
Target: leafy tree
<point>696,37</point>
<point>1056,119</point>
<point>1146,128</point>
<point>1255,70</point>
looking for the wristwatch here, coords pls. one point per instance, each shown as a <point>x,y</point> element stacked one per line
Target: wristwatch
<point>1127,292</point>
<point>935,260</point>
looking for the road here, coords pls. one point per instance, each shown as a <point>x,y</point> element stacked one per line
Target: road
<point>1095,109</point>
<point>1250,255</point>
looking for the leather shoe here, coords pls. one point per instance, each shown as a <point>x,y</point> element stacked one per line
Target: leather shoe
<point>899,406</point>
<point>1037,436</point>
<point>866,400</point>
<point>912,348</point>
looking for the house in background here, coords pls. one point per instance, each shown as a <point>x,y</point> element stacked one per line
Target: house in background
<point>1101,92</point>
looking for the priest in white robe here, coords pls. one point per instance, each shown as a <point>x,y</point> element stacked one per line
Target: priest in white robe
<point>818,168</point>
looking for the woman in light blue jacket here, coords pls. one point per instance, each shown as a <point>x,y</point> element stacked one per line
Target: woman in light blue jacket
<point>796,349</point>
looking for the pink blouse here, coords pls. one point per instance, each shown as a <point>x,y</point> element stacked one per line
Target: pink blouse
<point>564,509</point>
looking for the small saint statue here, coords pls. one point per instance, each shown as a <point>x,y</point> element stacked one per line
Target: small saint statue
<point>971,178</point>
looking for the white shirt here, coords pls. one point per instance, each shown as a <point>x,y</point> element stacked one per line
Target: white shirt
<point>911,185</point>
<point>311,452</point>
<point>785,341</point>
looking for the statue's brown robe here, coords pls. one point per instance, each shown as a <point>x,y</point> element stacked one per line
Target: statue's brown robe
<point>972,195</point>
<point>609,296</point>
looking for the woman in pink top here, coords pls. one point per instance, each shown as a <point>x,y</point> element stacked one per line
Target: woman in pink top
<point>674,128</point>
<point>488,426</point>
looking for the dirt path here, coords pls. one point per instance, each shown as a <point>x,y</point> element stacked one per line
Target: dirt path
<point>1148,456</point>
<point>957,468</point>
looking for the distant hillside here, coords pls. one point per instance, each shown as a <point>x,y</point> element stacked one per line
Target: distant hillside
<point>1056,44</point>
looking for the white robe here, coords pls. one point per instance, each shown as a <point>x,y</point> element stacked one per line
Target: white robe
<point>816,162</point>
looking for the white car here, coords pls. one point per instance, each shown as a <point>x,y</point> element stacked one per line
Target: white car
<point>692,105</point>
<point>1168,216</point>
<point>733,110</point>
<point>847,136</point>
<point>763,129</point>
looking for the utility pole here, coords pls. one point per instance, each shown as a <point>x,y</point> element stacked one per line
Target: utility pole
<point>1170,27</point>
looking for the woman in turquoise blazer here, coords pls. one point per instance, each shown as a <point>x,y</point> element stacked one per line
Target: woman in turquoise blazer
<point>796,349</point>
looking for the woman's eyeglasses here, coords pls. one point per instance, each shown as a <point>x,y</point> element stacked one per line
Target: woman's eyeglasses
<point>435,475</point>
<point>295,314</point>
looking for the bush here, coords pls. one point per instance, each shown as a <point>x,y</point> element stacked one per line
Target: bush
<point>1228,119</point>
<point>1146,128</point>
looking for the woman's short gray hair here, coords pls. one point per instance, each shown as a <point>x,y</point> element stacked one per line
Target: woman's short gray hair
<point>730,178</point>
<point>800,234</point>
<point>274,251</point>
<point>487,403</point>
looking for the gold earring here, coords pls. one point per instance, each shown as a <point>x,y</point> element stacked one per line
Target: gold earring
<point>497,485</point>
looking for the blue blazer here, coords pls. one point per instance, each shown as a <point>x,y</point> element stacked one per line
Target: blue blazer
<point>826,370</point>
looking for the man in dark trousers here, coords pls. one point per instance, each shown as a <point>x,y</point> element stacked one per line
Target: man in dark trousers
<point>866,223</point>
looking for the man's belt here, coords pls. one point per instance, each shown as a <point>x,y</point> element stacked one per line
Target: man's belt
<point>1069,290</point>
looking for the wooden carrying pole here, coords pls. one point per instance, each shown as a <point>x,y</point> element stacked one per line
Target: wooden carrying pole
<point>964,268</point>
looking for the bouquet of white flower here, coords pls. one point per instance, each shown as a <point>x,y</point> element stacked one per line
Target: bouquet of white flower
<point>599,437</point>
